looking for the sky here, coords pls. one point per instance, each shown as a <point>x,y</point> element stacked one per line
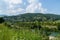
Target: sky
<point>15,7</point>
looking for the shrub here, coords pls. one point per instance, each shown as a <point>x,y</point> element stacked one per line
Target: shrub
<point>1,20</point>
<point>58,26</point>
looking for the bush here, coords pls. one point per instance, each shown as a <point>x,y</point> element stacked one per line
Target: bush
<point>1,20</point>
<point>58,26</point>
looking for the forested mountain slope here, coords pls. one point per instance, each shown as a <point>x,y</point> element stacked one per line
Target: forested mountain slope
<point>31,17</point>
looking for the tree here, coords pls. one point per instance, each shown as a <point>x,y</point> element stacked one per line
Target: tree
<point>1,20</point>
<point>36,25</point>
<point>58,26</point>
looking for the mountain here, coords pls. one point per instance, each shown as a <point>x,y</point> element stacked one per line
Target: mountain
<point>2,15</point>
<point>31,17</point>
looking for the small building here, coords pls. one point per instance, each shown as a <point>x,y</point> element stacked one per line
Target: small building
<point>54,36</point>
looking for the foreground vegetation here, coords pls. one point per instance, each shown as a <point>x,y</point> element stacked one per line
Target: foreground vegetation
<point>20,34</point>
<point>23,31</point>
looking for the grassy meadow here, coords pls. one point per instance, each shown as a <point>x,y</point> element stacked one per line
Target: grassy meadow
<point>7,33</point>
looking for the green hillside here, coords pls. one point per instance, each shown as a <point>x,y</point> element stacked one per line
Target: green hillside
<point>31,17</point>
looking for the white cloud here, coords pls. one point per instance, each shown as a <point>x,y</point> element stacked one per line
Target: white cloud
<point>11,7</point>
<point>32,1</point>
<point>14,11</point>
<point>42,10</point>
<point>14,1</point>
<point>11,3</point>
<point>10,12</point>
<point>20,10</point>
<point>0,11</point>
<point>31,8</point>
<point>35,5</point>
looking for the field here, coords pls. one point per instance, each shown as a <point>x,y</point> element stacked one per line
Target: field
<point>19,34</point>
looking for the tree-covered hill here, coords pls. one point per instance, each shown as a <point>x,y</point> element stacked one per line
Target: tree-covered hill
<point>31,17</point>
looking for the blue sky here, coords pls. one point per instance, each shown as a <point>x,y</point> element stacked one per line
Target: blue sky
<point>53,6</point>
<point>14,7</point>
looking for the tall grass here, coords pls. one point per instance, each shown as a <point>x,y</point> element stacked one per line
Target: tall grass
<point>19,34</point>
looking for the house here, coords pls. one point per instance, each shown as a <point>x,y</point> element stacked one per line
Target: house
<point>54,36</point>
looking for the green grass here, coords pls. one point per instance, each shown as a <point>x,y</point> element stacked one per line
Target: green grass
<point>6,33</point>
<point>18,34</point>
